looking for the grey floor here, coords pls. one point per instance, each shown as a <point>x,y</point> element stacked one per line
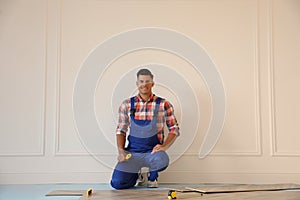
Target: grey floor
<point>38,192</point>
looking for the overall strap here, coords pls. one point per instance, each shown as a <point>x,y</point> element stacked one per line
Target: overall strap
<point>158,100</point>
<point>132,109</point>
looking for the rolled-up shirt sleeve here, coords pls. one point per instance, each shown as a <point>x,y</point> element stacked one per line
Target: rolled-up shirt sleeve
<point>123,120</point>
<point>170,118</point>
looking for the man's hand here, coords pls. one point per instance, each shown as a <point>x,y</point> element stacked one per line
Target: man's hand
<point>163,147</point>
<point>121,143</point>
<point>158,147</point>
<point>122,156</point>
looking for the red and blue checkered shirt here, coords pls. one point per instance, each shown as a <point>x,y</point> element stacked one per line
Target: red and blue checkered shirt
<point>144,110</point>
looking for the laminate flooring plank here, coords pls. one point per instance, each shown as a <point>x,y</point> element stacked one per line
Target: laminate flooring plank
<point>162,194</point>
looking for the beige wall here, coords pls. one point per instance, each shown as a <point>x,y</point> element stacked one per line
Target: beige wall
<point>254,45</point>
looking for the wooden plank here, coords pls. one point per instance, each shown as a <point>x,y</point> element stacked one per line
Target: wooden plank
<point>66,193</point>
<point>243,188</point>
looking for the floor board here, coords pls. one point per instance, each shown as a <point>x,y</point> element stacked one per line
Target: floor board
<point>161,194</point>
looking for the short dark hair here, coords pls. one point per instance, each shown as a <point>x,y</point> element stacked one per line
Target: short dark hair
<point>144,72</point>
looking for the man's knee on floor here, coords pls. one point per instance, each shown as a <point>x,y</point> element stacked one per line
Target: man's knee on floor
<point>123,180</point>
<point>120,184</point>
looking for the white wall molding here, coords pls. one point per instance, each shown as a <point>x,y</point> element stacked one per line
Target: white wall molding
<point>41,141</point>
<point>275,151</point>
<point>256,68</point>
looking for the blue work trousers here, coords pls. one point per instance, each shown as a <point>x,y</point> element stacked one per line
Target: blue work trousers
<point>125,174</point>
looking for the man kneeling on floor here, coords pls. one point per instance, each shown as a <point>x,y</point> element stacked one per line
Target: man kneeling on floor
<point>145,114</point>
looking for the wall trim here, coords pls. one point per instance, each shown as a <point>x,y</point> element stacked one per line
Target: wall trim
<point>258,150</point>
<point>41,151</point>
<point>271,65</point>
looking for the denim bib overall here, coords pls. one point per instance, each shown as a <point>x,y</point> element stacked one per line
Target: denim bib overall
<point>143,133</point>
<point>141,140</point>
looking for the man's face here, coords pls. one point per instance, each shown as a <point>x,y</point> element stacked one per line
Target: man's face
<point>144,84</point>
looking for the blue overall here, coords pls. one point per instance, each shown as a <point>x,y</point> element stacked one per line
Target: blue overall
<point>142,139</point>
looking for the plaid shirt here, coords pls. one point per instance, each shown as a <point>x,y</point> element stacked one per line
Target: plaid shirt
<point>144,111</point>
